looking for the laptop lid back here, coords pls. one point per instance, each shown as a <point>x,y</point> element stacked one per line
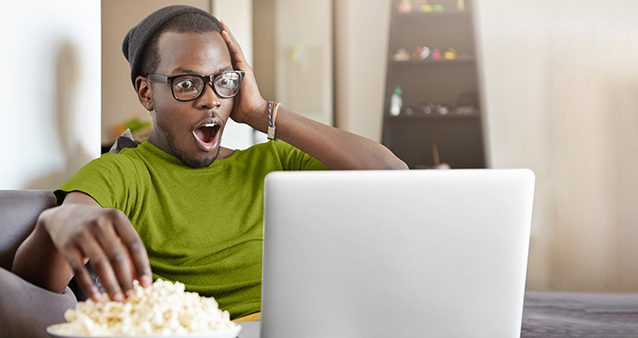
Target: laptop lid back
<point>419,253</point>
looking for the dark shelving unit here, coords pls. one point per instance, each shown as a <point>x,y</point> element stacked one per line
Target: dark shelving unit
<point>440,97</point>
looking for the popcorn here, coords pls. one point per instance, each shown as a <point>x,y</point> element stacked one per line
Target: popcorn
<point>163,308</point>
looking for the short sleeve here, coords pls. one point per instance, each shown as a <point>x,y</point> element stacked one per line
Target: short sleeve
<point>110,180</point>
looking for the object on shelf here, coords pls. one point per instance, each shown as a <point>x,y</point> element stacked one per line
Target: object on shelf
<point>467,103</point>
<point>401,55</point>
<point>465,110</point>
<point>436,54</point>
<point>426,8</point>
<point>450,54</point>
<point>442,109</point>
<point>405,6</point>
<point>396,102</point>
<point>427,109</point>
<point>416,4</point>
<point>409,111</point>
<point>460,5</point>
<point>438,8</point>
<point>422,53</point>
<point>437,160</point>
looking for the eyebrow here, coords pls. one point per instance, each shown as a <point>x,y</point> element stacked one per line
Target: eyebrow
<point>190,71</point>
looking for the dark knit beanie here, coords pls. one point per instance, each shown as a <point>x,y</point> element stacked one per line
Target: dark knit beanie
<point>138,37</point>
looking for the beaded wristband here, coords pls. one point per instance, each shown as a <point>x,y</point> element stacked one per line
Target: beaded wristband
<point>273,107</point>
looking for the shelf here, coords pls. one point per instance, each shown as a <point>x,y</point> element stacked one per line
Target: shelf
<point>449,82</point>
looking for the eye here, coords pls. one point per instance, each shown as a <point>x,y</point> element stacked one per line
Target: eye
<point>184,84</point>
<point>187,84</point>
<point>227,80</point>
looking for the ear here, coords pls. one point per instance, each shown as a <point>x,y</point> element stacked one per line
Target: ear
<point>143,88</point>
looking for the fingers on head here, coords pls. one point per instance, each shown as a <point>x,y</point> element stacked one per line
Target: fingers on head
<point>230,39</point>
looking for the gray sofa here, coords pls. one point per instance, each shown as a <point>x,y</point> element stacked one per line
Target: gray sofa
<point>25,309</point>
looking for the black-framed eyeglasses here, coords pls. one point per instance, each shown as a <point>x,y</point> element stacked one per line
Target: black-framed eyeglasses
<point>189,87</point>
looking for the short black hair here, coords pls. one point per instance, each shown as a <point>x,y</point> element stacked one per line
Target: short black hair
<point>184,23</point>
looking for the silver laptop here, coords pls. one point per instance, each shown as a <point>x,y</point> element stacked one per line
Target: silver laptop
<point>421,253</point>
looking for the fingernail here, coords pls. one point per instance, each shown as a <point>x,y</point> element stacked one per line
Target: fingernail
<point>130,293</point>
<point>97,295</point>
<point>118,297</point>
<point>146,280</point>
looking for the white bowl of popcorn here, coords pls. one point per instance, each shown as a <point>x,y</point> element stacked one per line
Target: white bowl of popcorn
<point>163,309</point>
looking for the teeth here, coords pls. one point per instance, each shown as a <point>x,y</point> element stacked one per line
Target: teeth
<point>210,125</point>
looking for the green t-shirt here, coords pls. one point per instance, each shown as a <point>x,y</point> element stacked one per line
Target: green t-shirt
<point>202,227</point>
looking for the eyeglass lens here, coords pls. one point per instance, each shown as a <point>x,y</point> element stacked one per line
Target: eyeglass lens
<point>189,87</point>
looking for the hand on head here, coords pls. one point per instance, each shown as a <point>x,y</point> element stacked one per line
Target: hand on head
<point>248,101</point>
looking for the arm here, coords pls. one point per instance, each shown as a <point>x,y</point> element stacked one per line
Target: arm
<point>65,237</point>
<point>335,148</point>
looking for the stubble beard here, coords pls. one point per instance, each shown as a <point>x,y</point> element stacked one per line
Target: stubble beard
<point>181,155</point>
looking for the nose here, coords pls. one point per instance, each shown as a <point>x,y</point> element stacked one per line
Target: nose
<point>209,98</point>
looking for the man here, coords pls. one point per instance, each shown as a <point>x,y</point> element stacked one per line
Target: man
<point>179,204</point>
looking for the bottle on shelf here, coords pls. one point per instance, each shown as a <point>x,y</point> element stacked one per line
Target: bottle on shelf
<point>396,102</point>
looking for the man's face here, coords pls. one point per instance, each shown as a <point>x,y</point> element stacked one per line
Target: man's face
<point>190,131</point>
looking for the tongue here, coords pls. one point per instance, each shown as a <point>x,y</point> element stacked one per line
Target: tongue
<point>205,134</point>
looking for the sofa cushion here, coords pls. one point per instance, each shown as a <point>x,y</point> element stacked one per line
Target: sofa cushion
<point>125,140</point>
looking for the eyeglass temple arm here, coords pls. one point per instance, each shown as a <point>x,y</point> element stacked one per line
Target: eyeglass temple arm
<point>157,78</point>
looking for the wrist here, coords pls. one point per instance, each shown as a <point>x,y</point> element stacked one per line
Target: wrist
<point>41,224</point>
<point>258,119</point>
<point>273,108</point>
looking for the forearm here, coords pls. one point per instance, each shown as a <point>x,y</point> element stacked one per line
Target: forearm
<point>335,148</point>
<point>38,262</point>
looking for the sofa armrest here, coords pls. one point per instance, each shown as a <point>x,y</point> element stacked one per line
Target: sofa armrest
<point>26,310</point>
<point>19,210</point>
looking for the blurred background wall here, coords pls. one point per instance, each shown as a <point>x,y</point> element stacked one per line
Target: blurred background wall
<point>50,90</point>
<point>560,93</point>
<point>561,82</point>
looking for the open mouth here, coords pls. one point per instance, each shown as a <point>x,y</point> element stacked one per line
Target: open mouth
<point>206,136</point>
